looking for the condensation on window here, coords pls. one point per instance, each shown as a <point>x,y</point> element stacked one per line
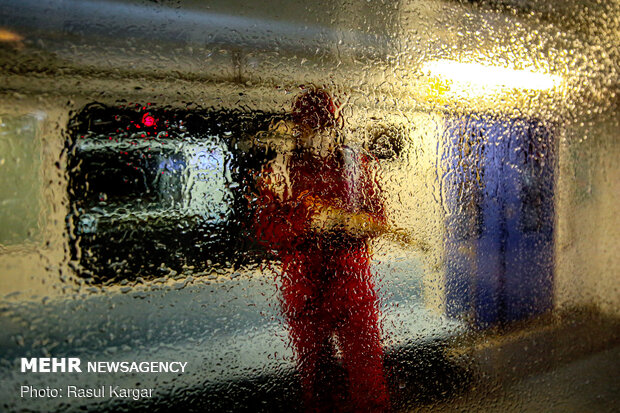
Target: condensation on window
<point>318,206</point>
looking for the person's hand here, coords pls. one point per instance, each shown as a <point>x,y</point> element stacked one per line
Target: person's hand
<point>361,224</point>
<point>325,218</point>
<point>357,224</point>
<point>408,240</point>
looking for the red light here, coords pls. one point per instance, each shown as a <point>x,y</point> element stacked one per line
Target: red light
<point>148,120</point>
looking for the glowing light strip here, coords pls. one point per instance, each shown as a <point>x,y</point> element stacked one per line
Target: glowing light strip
<point>479,75</point>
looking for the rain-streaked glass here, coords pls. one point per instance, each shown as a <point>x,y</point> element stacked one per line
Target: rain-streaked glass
<point>319,205</point>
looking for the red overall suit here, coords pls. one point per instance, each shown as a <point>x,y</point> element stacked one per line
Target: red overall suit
<point>328,295</point>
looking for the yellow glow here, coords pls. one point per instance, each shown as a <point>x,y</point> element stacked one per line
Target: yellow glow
<point>476,75</point>
<point>9,36</point>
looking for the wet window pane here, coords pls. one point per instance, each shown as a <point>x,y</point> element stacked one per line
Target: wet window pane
<point>21,191</point>
<point>317,206</point>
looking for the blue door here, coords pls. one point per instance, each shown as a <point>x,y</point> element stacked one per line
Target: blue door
<point>498,189</point>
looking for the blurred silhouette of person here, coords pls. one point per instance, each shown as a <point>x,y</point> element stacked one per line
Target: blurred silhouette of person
<point>319,206</point>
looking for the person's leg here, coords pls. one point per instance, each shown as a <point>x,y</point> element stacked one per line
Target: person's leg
<point>310,331</point>
<point>315,362</point>
<point>360,335</point>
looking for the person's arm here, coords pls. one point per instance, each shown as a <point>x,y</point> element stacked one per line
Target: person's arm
<point>325,217</point>
<point>360,224</point>
<point>279,219</point>
<point>368,221</point>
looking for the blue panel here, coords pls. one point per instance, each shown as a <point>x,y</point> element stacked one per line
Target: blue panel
<point>499,198</point>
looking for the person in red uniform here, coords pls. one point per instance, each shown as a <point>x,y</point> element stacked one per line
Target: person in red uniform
<point>319,206</point>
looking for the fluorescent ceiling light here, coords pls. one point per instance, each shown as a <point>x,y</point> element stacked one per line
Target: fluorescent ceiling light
<point>479,75</point>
